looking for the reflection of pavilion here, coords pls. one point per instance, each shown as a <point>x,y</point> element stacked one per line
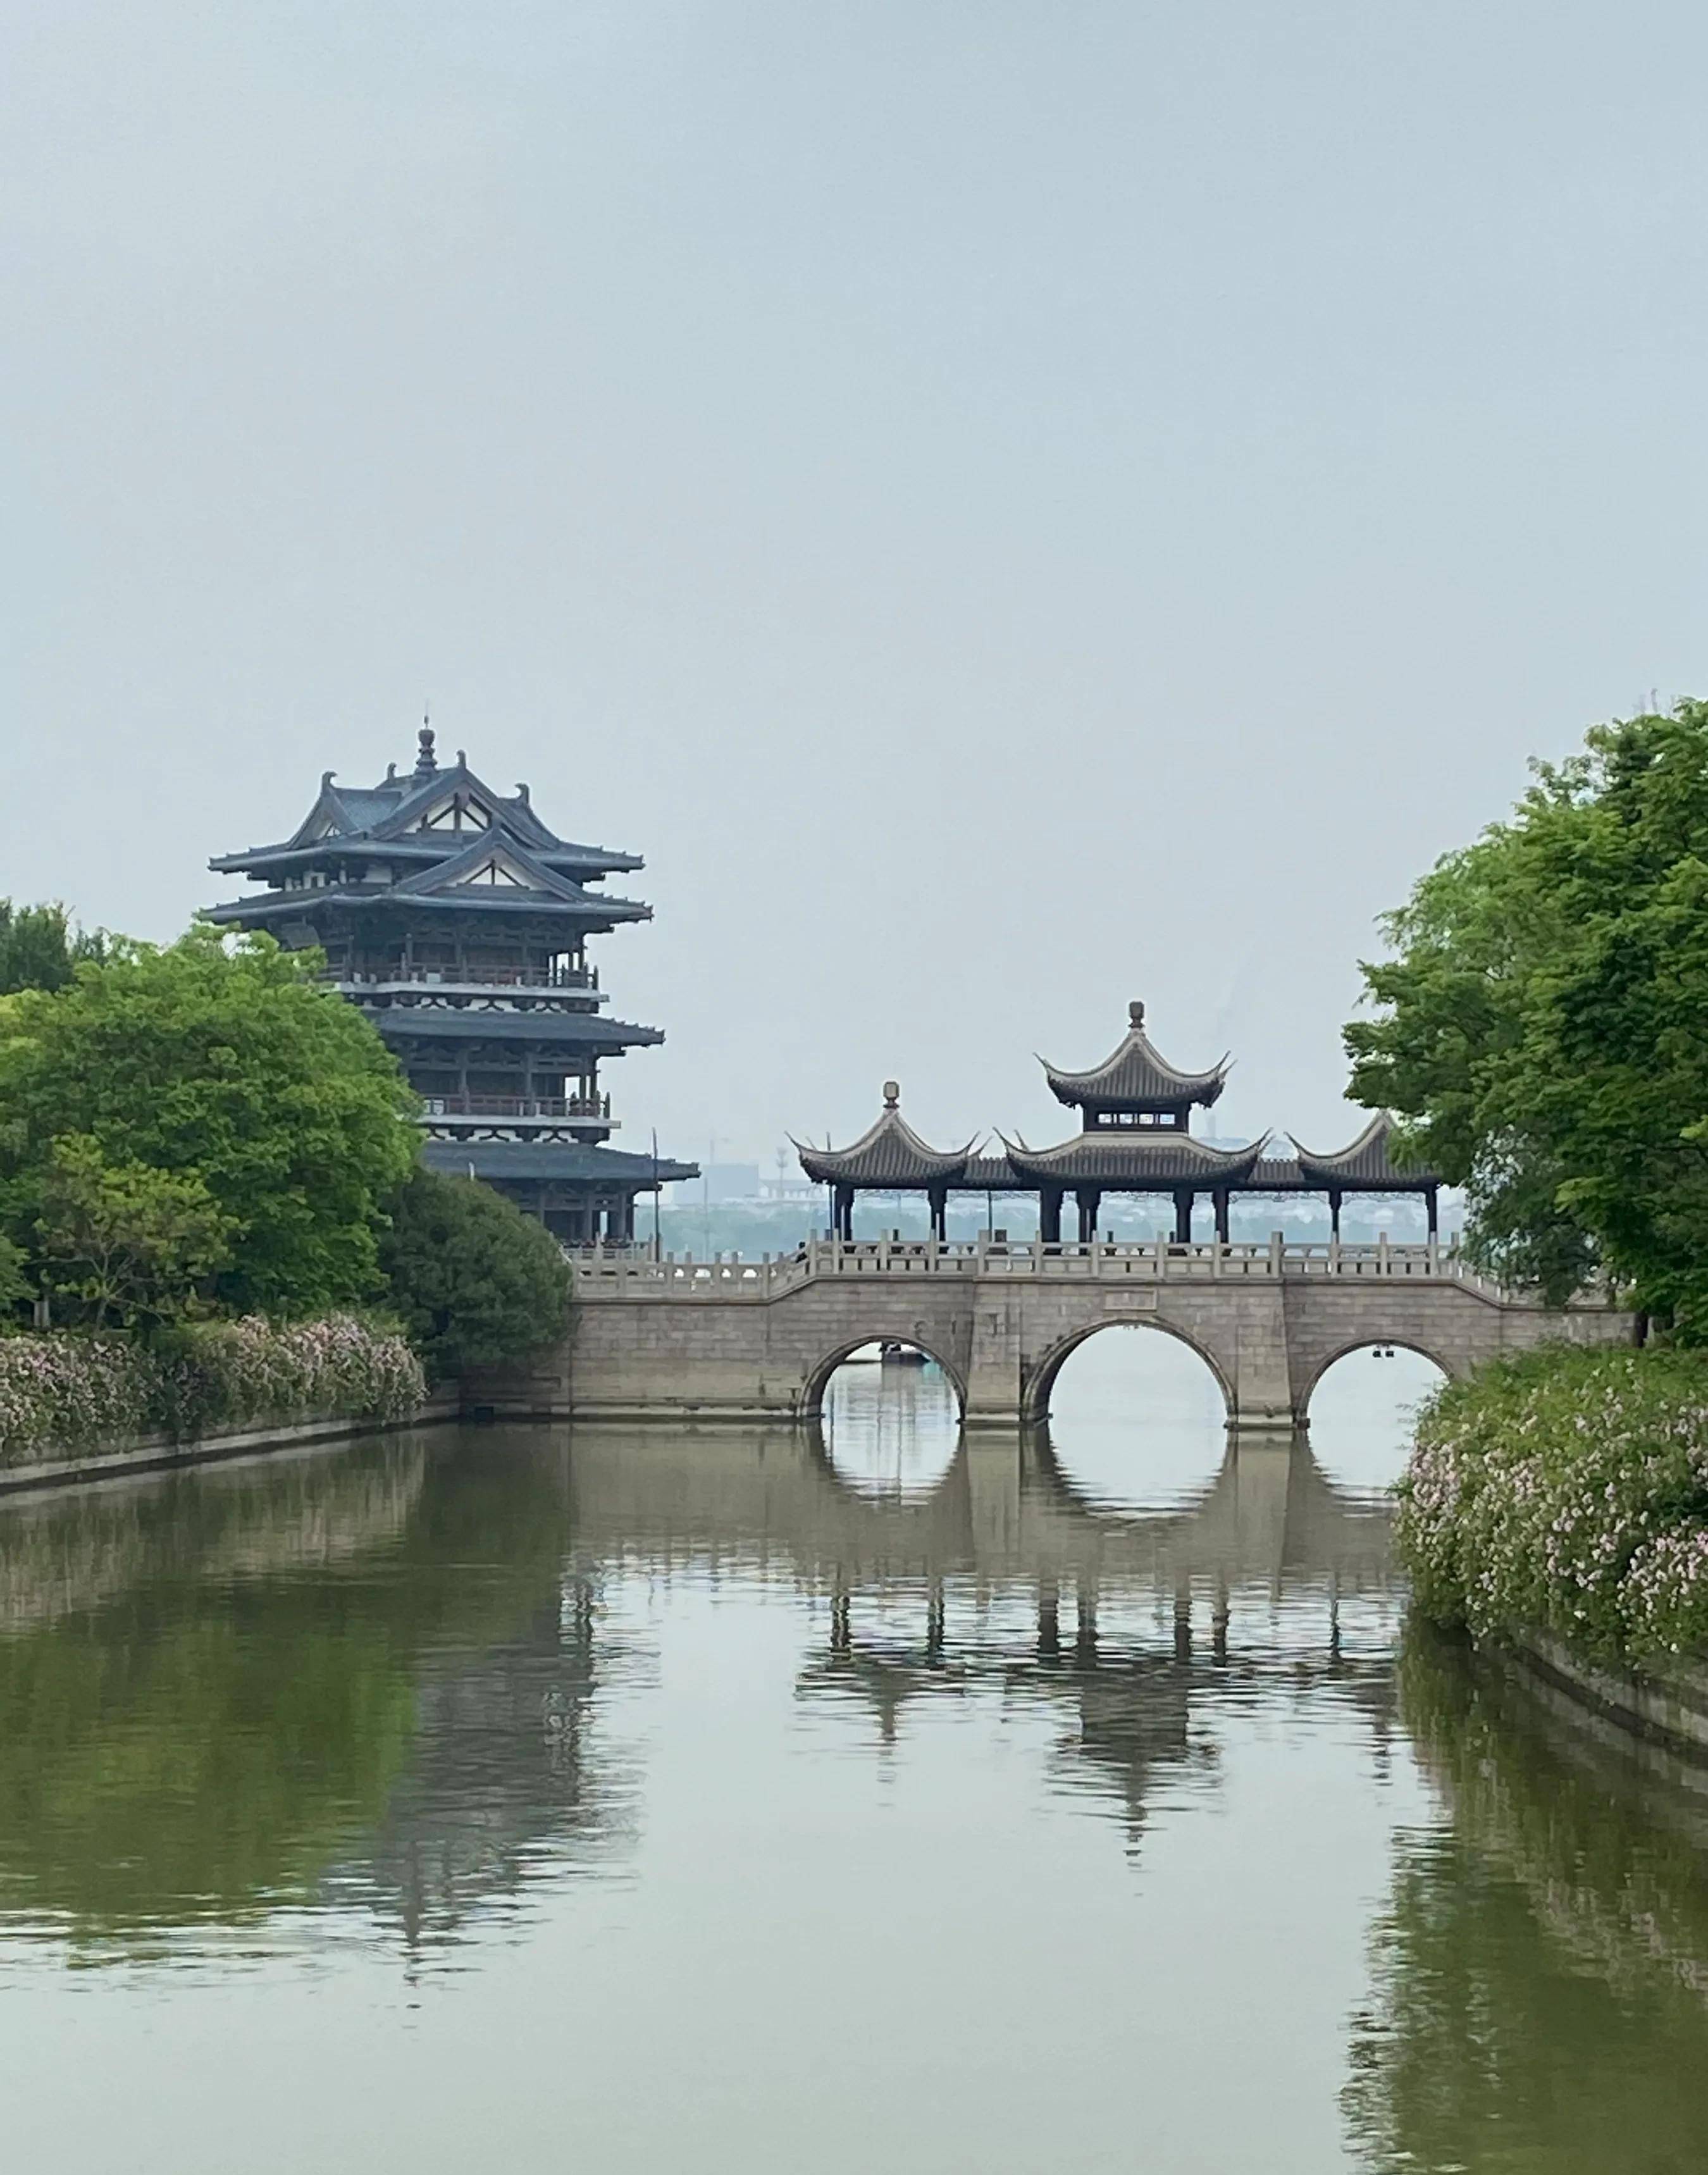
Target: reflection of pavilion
<point>1005,1531</point>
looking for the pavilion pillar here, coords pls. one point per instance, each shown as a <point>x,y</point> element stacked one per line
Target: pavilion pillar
<point>1431,1199</point>
<point>1088,1199</point>
<point>841,1208</point>
<point>938,1198</point>
<point>1049,1215</point>
<point>1334,1202</point>
<point>1183,1215</point>
<point>1220,1198</point>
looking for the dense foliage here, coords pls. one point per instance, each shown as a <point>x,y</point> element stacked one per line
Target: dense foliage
<point>474,1281</point>
<point>1566,1491</point>
<point>1542,1029</point>
<point>41,950</point>
<point>201,1122</point>
<point>61,1392</point>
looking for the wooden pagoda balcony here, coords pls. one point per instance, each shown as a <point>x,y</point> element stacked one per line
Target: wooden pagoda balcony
<point>463,981</point>
<point>475,1110</point>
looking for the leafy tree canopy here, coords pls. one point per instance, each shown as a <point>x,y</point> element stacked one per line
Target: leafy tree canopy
<point>1542,1028</point>
<point>41,950</point>
<point>474,1282</point>
<point>270,1101</point>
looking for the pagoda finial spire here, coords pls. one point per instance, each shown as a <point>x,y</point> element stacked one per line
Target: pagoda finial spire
<point>425,761</point>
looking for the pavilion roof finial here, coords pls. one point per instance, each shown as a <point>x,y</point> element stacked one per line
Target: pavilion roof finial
<point>425,761</point>
<point>892,1095</point>
<point>1135,1013</point>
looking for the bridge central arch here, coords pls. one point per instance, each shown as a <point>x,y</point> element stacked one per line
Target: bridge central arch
<point>1039,1382</point>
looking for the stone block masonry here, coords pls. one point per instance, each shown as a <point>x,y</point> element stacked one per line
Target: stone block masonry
<point>746,1340</point>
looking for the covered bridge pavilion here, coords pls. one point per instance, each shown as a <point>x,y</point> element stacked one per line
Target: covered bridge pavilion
<point>1135,1139</point>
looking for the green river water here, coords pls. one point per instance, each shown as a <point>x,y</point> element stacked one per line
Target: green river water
<point>529,1799</point>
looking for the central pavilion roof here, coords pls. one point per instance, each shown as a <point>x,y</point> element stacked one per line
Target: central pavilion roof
<point>1135,1161</point>
<point>889,1152</point>
<point>1135,1076</point>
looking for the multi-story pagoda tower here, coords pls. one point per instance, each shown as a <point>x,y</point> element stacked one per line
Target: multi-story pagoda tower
<point>459,923</point>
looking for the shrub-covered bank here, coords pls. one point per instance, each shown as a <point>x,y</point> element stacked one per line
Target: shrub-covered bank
<point>1566,1492</point>
<point>70,1391</point>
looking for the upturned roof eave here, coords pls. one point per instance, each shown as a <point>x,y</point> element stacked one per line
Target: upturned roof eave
<point>1341,1169</point>
<point>420,846</point>
<point>277,906</point>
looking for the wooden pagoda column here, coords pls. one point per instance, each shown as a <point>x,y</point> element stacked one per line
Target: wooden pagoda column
<point>1089,1200</point>
<point>1221,1199</point>
<point>1334,1202</point>
<point>1183,1215</point>
<point>938,1198</point>
<point>1432,1200</point>
<point>842,1210</point>
<point>1049,1215</point>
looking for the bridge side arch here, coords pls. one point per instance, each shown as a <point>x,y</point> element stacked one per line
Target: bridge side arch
<point>1367,1343</point>
<point>1039,1379</point>
<point>818,1376</point>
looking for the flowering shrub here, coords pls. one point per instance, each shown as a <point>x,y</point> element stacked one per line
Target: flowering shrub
<point>68,1391</point>
<point>63,1392</point>
<point>1566,1491</point>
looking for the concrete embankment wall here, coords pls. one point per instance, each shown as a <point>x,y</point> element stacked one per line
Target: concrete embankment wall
<point>1669,1708</point>
<point>157,1453</point>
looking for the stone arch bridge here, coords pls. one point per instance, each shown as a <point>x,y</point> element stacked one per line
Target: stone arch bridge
<point>746,1340</point>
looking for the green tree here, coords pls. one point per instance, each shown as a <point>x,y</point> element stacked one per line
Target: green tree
<point>474,1281</point>
<point>231,1067</point>
<point>1541,1030</point>
<point>41,950</point>
<point>132,1242</point>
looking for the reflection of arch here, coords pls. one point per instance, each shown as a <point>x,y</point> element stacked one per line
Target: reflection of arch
<point>1367,1344</point>
<point>1034,1406</point>
<point>812,1398</point>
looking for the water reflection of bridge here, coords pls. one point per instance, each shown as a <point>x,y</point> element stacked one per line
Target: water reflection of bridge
<point>1008,1517</point>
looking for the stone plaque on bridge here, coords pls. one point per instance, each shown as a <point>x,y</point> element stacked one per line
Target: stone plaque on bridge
<point>1138,1302</point>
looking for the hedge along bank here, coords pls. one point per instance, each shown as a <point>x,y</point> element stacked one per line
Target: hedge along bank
<point>67,1392</point>
<point>1566,1492</point>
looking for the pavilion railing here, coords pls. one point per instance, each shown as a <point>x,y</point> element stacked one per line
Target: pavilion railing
<point>634,1271</point>
<point>467,977</point>
<point>517,1106</point>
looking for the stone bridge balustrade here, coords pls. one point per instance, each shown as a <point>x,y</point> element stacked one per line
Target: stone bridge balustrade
<point>730,1338</point>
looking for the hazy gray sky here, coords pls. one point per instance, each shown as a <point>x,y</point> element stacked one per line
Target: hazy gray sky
<point>1009,507</point>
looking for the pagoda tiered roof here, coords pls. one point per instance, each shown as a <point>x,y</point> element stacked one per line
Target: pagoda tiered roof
<point>889,1152</point>
<point>483,875</point>
<point>1135,1076</point>
<point>1365,1166</point>
<point>576,1031</point>
<point>405,820</point>
<point>1135,1161</point>
<point>575,1161</point>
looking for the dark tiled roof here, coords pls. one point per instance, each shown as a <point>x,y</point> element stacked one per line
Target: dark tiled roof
<point>887,1153</point>
<point>379,814</point>
<point>583,909</point>
<point>1366,1165</point>
<point>579,1031</point>
<point>1131,1161</point>
<point>560,1159</point>
<point>1135,1076</point>
<point>989,1173</point>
